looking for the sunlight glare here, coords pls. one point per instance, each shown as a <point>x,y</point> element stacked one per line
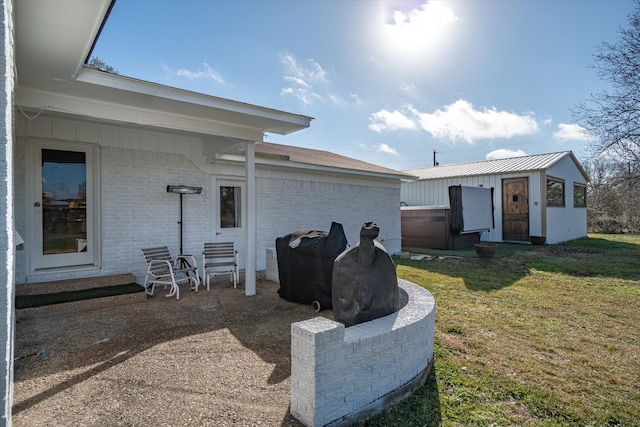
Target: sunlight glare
<point>414,34</point>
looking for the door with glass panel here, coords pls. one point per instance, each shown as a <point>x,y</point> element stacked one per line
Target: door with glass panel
<point>63,212</point>
<point>230,215</point>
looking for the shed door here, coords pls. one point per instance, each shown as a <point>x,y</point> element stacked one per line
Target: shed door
<point>515,209</point>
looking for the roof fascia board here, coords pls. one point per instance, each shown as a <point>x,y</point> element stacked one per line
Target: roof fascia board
<point>128,84</point>
<point>306,166</point>
<point>521,172</point>
<point>99,110</point>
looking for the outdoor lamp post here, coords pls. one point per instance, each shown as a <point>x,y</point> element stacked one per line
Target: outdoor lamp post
<point>182,190</point>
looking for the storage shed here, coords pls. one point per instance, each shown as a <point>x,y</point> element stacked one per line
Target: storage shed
<point>542,195</point>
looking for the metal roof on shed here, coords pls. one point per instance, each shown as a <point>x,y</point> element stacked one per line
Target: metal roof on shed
<point>536,162</point>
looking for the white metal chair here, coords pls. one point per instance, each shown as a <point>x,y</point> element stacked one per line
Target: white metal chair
<point>163,270</point>
<point>220,258</point>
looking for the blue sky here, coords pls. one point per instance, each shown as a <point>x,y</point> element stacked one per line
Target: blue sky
<point>386,82</point>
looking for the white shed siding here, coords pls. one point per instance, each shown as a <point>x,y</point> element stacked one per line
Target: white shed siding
<point>566,223</point>
<point>537,193</point>
<point>435,192</point>
<point>557,224</point>
<point>136,211</point>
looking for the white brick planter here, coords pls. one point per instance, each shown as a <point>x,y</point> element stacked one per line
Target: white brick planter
<point>341,375</point>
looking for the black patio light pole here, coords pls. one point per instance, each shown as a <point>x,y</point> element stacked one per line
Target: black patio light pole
<point>181,190</point>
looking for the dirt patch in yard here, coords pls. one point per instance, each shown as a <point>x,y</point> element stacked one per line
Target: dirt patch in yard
<point>212,358</point>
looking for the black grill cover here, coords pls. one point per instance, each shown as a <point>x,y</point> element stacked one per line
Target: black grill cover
<point>365,285</point>
<point>305,264</point>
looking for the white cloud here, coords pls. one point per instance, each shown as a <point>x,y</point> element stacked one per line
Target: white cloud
<point>336,99</point>
<point>461,121</point>
<point>384,120</point>
<point>297,81</point>
<point>308,82</point>
<point>312,72</point>
<point>413,31</point>
<point>302,94</point>
<point>428,15</point>
<point>504,153</point>
<point>384,148</point>
<point>572,132</point>
<point>409,89</point>
<point>457,121</point>
<point>206,73</point>
<point>355,98</point>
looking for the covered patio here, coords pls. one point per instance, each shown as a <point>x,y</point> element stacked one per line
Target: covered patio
<point>216,358</point>
<point>60,100</point>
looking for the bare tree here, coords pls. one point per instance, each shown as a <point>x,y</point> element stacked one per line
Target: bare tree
<point>100,65</point>
<point>613,117</point>
<point>613,196</point>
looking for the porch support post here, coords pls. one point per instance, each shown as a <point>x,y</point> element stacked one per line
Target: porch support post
<point>251,226</point>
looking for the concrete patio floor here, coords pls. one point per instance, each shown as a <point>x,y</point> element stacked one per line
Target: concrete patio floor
<point>215,358</point>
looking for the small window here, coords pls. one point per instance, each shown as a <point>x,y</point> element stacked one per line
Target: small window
<point>579,196</point>
<point>230,207</point>
<point>555,192</point>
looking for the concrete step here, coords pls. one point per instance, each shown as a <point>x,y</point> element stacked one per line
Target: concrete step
<point>74,284</point>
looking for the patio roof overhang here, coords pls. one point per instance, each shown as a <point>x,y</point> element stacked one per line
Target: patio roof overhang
<point>53,40</point>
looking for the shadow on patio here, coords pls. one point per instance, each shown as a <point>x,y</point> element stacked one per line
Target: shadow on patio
<point>212,358</point>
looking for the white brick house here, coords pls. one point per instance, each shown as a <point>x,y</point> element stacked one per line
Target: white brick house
<point>121,141</point>
<point>135,211</point>
<point>7,243</point>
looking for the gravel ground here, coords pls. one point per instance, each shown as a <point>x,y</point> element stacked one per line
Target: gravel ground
<point>213,358</point>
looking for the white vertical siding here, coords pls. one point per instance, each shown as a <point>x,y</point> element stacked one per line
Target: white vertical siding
<point>435,192</point>
<point>566,223</point>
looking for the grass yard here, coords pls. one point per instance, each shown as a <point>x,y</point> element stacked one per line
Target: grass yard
<point>548,336</point>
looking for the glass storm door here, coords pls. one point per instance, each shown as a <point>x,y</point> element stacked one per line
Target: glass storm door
<point>230,219</point>
<point>64,213</point>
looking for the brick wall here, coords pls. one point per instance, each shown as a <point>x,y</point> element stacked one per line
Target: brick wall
<point>307,201</point>
<point>7,248</point>
<point>135,210</point>
<point>341,375</point>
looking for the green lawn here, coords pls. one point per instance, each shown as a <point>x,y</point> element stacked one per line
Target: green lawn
<point>547,336</point>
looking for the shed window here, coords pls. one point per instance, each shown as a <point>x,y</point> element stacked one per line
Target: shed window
<point>555,192</point>
<point>579,196</point>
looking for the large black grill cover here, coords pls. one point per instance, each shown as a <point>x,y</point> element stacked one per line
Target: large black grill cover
<point>305,264</point>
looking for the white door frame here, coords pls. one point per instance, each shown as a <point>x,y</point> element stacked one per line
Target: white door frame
<point>91,257</point>
<point>236,234</point>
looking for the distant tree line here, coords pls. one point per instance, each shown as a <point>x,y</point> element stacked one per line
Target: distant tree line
<point>613,196</point>
<point>612,118</point>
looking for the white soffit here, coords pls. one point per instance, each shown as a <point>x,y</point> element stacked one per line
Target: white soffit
<point>53,38</point>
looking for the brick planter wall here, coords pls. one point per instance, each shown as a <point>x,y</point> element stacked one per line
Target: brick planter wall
<point>341,375</point>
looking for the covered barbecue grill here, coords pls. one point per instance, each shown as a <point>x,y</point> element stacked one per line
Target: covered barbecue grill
<point>305,264</point>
